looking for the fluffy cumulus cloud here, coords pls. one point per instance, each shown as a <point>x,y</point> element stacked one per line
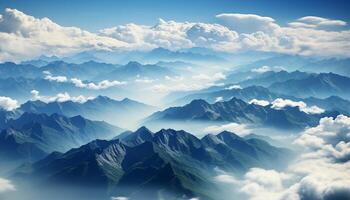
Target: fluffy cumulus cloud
<point>50,77</point>
<point>60,97</point>
<point>6,185</point>
<point>280,103</point>
<point>23,36</point>
<point>8,104</point>
<point>322,171</point>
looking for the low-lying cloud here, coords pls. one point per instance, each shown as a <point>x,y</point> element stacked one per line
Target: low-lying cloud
<point>81,84</point>
<point>322,171</point>
<point>280,103</point>
<point>60,97</point>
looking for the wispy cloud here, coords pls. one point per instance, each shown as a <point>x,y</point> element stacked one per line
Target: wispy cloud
<point>60,97</point>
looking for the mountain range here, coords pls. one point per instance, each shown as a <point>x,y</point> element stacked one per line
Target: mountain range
<point>167,164</point>
<point>122,113</point>
<point>31,136</point>
<point>238,111</point>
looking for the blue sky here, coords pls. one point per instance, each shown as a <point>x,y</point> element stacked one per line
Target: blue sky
<point>94,15</point>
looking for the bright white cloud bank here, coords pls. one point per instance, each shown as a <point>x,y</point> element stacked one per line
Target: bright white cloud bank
<point>321,172</point>
<point>8,104</point>
<point>24,37</point>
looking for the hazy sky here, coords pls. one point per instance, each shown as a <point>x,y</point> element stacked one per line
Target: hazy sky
<point>95,15</point>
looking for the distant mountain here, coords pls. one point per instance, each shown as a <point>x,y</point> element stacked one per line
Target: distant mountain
<point>316,85</point>
<point>236,110</point>
<point>167,164</point>
<point>12,70</point>
<point>87,70</point>
<point>334,103</point>
<point>268,78</point>
<point>287,62</point>
<point>338,66</point>
<point>32,136</point>
<point>134,69</point>
<point>123,113</point>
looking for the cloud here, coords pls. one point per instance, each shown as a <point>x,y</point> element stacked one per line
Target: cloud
<point>233,87</point>
<point>205,77</point>
<point>60,97</point>
<point>259,102</point>
<point>280,103</point>
<point>317,23</point>
<point>247,23</point>
<point>262,69</point>
<point>26,37</point>
<point>240,129</point>
<point>100,85</point>
<point>119,198</point>
<point>91,86</point>
<point>218,99</point>
<point>50,77</point>
<point>23,37</point>
<point>144,80</point>
<point>6,185</point>
<point>322,170</point>
<point>8,104</point>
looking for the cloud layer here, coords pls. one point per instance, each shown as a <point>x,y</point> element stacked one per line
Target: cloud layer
<point>24,37</point>
<point>322,171</point>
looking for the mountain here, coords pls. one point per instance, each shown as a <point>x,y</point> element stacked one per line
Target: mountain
<point>316,85</point>
<point>134,69</point>
<point>123,113</point>
<point>87,70</point>
<point>334,103</point>
<point>31,136</point>
<point>167,164</point>
<point>338,66</point>
<point>238,111</point>
<point>270,77</point>
<point>287,62</point>
<point>12,70</point>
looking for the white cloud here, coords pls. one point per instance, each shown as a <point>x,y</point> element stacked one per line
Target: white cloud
<point>240,129</point>
<point>218,99</point>
<point>233,87</point>
<point>100,85</point>
<point>8,104</point>
<point>6,185</point>
<point>247,23</point>
<point>262,69</point>
<point>50,77</point>
<point>60,97</point>
<point>205,77</point>
<point>25,37</point>
<point>144,80</point>
<point>259,102</point>
<point>322,170</point>
<point>280,103</point>
<point>92,86</point>
<point>119,198</point>
<point>317,22</point>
